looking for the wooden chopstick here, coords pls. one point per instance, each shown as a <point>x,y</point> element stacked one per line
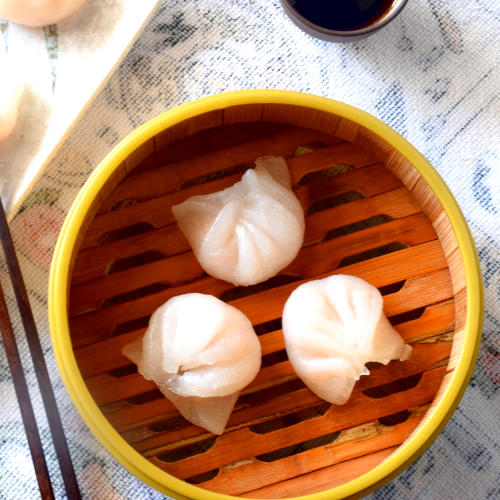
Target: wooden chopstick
<point>42,375</point>
<point>23,397</point>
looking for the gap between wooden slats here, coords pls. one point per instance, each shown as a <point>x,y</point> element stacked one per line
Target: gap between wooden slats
<point>424,357</point>
<point>323,479</point>
<point>397,203</point>
<point>242,443</point>
<point>168,178</point>
<point>106,355</point>
<point>311,260</point>
<point>235,479</point>
<point>371,179</point>
<point>319,225</point>
<point>93,262</point>
<point>407,263</point>
<point>268,409</point>
<point>416,293</point>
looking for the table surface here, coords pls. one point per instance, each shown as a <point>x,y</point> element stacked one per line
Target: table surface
<point>432,74</point>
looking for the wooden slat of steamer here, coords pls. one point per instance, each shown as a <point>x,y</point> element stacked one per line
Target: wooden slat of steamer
<point>426,198</point>
<point>407,263</point>
<point>323,479</point>
<point>416,293</point>
<point>273,442</point>
<point>168,178</point>
<point>395,204</point>
<point>317,429</point>
<point>203,141</point>
<point>93,262</point>
<point>150,443</point>
<point>436,319</point>
<point>423,358</point>
<point>98,325</point>
<point>274,301</point>
<point>243,444</point>
<point>179,268</point>
<point>345,154</point>
<point>351,444</point>
<point>318,259</point>
<point>311,260</point>
<point>371,179</point>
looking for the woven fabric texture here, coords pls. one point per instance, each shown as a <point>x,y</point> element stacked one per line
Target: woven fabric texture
<point>432,74</point>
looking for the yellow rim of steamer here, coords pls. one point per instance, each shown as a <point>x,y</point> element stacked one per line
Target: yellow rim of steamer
<point>59,279</point>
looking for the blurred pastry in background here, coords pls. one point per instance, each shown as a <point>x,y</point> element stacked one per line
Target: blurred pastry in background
<point>37,13</point>
<point>11,89</point>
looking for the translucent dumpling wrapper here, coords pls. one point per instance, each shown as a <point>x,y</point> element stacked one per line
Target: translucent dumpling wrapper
<point>332,328</point>
<point>200,352</point>
<point>247,233</point>
<point>37,13</point>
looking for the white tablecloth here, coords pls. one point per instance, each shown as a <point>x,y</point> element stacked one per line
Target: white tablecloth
<point>59,68</point>
<point>432,74</point>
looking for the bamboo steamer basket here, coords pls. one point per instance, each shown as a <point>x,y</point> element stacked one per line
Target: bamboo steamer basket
<point>375,208</point>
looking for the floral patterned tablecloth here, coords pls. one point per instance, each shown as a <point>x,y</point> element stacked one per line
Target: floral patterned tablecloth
<point>432,74</point>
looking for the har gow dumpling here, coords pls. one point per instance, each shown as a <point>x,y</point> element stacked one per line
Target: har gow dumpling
<point>200,352</point>
<point>332,328</point>
<point>36,13</point>
<point>248,232</point>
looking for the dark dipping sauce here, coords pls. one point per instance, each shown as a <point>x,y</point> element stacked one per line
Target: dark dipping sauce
<point>342,15</point>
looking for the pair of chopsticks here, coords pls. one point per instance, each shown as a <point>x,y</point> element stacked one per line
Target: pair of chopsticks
<point>42,375</point>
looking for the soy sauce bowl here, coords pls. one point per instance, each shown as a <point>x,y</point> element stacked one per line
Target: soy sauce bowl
<point>350,34</point>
